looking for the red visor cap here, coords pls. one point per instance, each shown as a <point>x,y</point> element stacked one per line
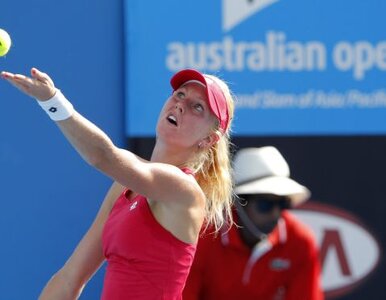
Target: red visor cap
<point>216,98</point>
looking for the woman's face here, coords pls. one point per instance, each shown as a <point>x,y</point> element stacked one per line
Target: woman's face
<point>186,118</point>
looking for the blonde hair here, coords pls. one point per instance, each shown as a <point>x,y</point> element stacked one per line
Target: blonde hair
<point>214,172</point>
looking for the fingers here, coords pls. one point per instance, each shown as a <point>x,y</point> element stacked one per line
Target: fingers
<point>22,81</point>
<point>6,75</point>
<point>40,76</point>
<point>35,73</point>
<point>15,77</point>
<point>16,80</point>
<point>10,77</point>
<point>39,85</point>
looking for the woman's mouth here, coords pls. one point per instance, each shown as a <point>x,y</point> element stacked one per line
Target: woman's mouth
<point>172,119</point>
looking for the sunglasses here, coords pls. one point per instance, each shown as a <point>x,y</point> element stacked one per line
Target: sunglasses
<point>266,203</point>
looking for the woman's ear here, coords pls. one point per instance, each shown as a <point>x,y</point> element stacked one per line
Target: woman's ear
<point>209,141</point>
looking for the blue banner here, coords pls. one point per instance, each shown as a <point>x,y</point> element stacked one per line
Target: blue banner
<point>296,67</point>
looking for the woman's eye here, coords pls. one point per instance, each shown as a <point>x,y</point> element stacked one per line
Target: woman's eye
<point>199,107</point>
<point>181,95</point>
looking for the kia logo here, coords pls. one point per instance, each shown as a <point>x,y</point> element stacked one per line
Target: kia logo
<point>348,251</point>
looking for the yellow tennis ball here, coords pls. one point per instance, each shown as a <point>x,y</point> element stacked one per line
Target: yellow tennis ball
<point>5,42</point>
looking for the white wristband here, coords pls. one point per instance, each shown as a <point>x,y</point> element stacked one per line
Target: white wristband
<point>58,107</point>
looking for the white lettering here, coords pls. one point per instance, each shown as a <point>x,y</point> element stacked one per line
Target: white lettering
<point>359,57</point>
<point>381,55</point>
<point>342,56</point>
<point>320,99</point>
<point>275,53</point>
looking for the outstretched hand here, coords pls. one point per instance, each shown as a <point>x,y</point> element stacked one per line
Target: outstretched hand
<point>39,85</point>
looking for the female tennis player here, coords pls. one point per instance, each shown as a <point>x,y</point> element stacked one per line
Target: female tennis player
<point>148,225</point>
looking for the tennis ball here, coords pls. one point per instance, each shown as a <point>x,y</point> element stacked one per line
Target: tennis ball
<point>5,42</point>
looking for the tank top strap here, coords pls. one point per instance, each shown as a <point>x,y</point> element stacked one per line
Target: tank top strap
<point>188,171</point>
<point>122,199</point>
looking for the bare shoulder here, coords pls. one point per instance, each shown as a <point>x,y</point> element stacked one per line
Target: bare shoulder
<point>171,184</point>
<point>183,214</point>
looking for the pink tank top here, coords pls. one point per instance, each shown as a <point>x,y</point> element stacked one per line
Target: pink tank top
<point>144,260</point>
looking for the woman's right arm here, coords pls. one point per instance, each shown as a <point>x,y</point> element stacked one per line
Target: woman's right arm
<point>68,282</point>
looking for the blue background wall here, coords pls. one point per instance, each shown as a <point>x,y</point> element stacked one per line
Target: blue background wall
<point>49,196</point>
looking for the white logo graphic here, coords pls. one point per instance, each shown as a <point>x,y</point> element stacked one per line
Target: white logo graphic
<point>236,11</point>
<point>279,264</point>
<point>134,205</point>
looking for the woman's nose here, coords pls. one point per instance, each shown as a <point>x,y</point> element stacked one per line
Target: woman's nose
<point>179,105</point>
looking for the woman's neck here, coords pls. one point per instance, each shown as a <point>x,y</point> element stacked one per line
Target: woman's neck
<point>171,155</point>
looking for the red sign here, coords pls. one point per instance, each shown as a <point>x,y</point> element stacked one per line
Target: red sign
<point>349,252</point>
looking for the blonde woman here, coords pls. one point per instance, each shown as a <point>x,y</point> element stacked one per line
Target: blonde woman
<point>149,223</point>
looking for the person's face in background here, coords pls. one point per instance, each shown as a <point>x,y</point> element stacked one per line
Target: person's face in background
<point>264,210</point>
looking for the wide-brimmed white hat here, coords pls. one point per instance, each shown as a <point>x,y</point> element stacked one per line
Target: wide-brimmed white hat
<point>265,171</point>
